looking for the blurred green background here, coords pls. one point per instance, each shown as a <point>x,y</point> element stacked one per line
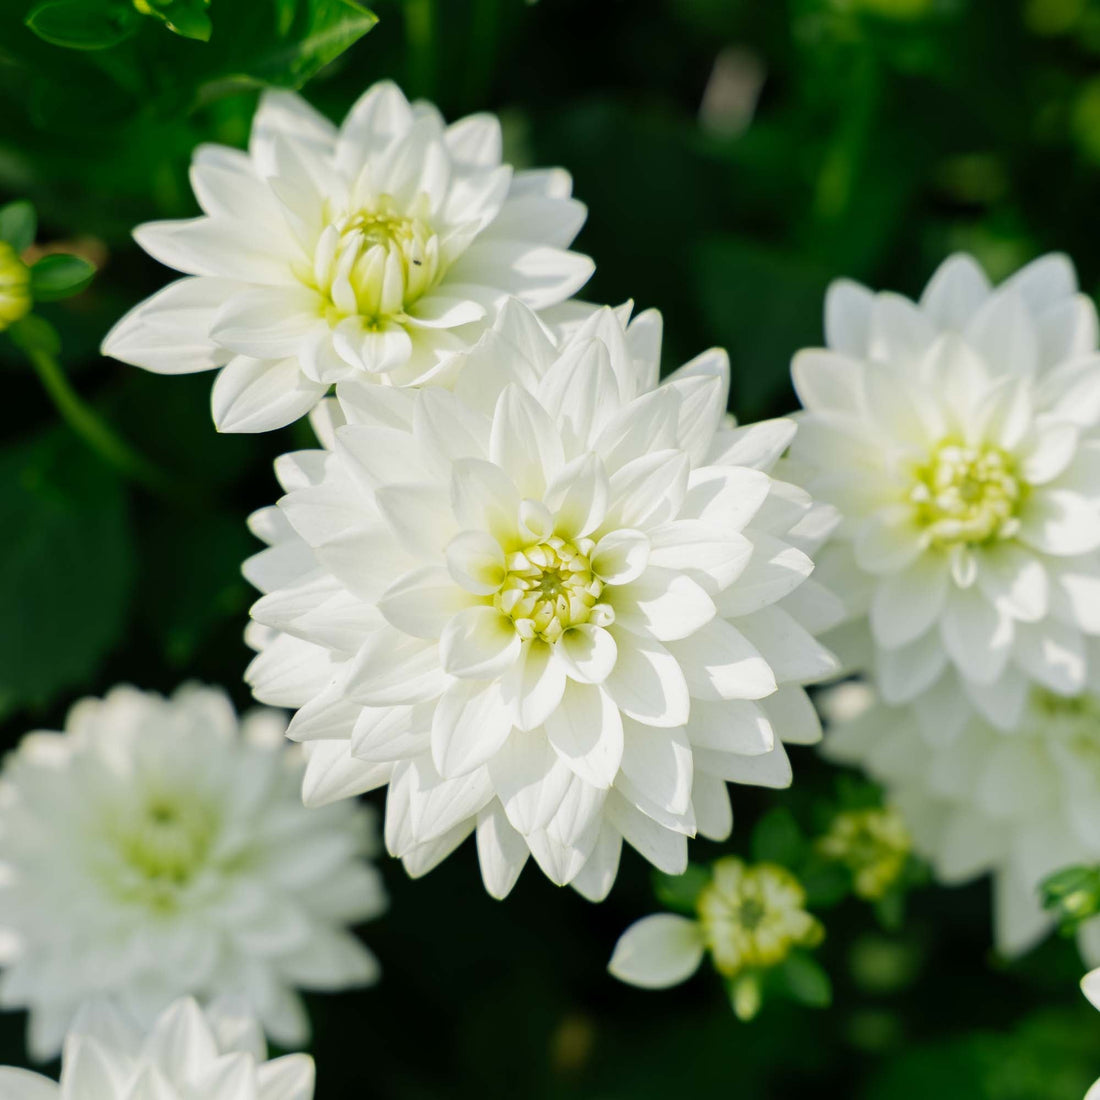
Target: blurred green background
<point>735,155</point>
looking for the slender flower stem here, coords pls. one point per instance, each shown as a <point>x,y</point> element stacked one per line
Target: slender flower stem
<point>420,35</point>
<point>92,429</point>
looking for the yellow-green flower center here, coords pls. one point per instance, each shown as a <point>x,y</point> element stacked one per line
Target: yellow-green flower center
<point>873,844</point>
<point>15,287</point>
<point>751,917</point>
<point>160,847</point>
<point>549,586</point>
<point>967,495</point>
<point>376,262</point>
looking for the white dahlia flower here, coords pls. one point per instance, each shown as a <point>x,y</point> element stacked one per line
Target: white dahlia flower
<point>1019,805</point>
<point>157,848</point>
<point>370,253</point>
<point>557,605</point>
<point>187,1054</point>
<point>960,439</point>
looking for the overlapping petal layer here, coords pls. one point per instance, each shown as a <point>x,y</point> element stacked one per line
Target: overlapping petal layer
<point>156,848</point>
<point>559,606</point>
<point>375,252</point>
<point>959,437</point>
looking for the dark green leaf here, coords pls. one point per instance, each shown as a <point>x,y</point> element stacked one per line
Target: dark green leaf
<point>680,892</point>
<point>65,566</point>
<point>18,224</point>
<point>82,24</point>
<point>60,276</point>
<point>778,839</point>
<point>806,980</point>
<point>187,18</point>
<point>34,333</point>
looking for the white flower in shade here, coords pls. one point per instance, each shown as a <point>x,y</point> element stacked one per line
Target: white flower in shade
<point>375,252</point>
<point>187,1053</point>
<point>157,848</point>
<point>557,605</point>
<point>1090,986</point>
<point>1020,805</point>
<point>959,438</point>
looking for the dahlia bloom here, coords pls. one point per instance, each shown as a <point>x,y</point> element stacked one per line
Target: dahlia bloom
<point>372,253</point>
<point>1018,805</point>
<point>557,606</point>
<point>187,1053</point>
<point>958,437</point>
<point>157,848</point>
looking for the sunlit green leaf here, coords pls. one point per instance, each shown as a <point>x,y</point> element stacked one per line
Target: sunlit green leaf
<point>18,223</point>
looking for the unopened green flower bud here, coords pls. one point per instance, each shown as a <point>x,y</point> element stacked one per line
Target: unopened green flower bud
<point>873,844</point>
<point>15,287</point>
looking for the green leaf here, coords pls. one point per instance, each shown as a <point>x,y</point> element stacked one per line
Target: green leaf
<point>778,839</point>
<point>680,892</point>
<point>187,18</point>
<point>82,24</point>
<point>34,333</point>
<point>18,224</point>
<point>806,980</point>
<point>60,276</point>
<point>66,566</point>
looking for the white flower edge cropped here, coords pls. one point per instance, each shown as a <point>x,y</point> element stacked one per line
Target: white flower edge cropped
<point>958,436</point>
<point>159,847</point>
<point>218,1054</point>
<point>407,612</point>
<point>372,253</point>
<point>1090,986</point>
<point>1018,805</point>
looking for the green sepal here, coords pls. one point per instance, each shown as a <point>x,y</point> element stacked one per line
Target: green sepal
<point>18,224</point>
<point>806,980</point>
<point>680,892</point>
<point>33,333</point>
<point>60,276</point>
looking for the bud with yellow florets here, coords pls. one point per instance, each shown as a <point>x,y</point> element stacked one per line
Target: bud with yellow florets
<point>750,918</point>
<point>873,844</point>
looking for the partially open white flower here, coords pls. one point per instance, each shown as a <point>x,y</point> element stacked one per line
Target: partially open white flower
<point>557,604</point>
<point>159,848</point>
<point>372,253</point>
<point>186,1054</point>
<point>1019,805</point>
<point>960,438</point>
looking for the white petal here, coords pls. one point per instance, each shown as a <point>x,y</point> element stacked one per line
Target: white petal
<point>476,562</point>
<point>907,603</point>
<point>586,731</point>
<point>588,653</point>
<point>657,763</point>
<point>1061,523</point>
<point>848,317</point>
<point>501,851</point>
<point>663,604</point>
<point>534,684</point>
<point>658,951</point>
<point>647,683</point>
<point>479,643</point>
<point>470,724</point>
<point>719,662</point>
<point>260,395</point>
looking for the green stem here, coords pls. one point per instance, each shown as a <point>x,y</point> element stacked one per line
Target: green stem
<point>420,36</point>
<point>95,432</point>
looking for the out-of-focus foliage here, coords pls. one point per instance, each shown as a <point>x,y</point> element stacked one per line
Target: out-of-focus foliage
<point>735,155</point>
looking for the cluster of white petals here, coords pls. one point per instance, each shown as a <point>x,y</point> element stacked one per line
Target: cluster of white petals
<point>559,604</point>
<point>372,253</point>
<point>959,437</point>
<point>186,1054</point>
<point>1020,805</point>
<point>158,847</point>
